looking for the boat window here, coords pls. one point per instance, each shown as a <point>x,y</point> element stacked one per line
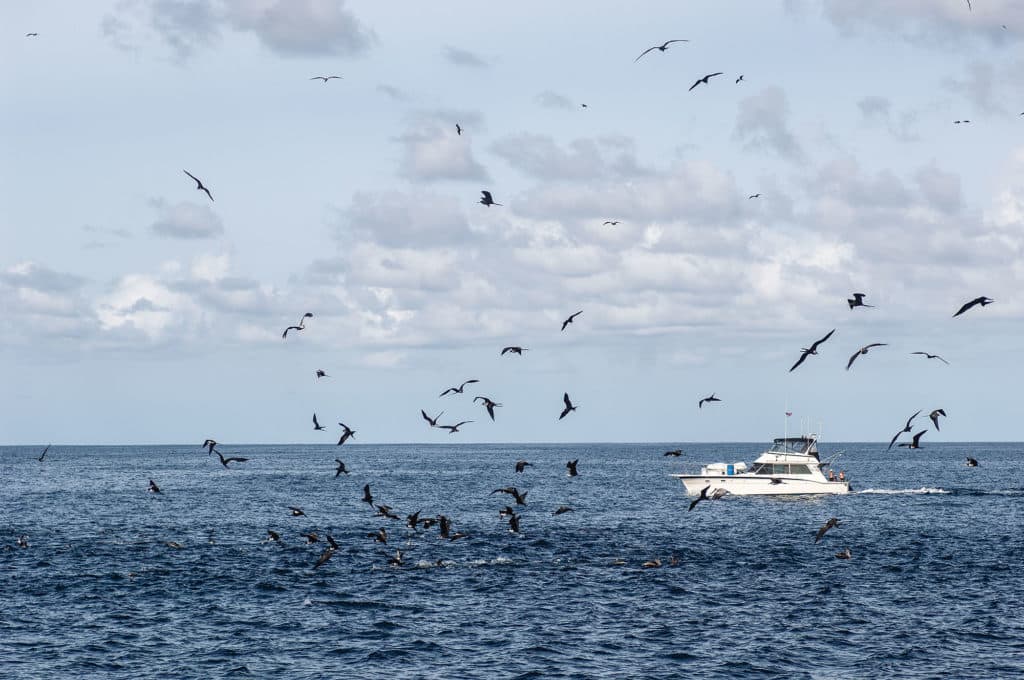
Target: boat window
<point>763,469</point>
<point>799,470</point>
<point>780,469</point>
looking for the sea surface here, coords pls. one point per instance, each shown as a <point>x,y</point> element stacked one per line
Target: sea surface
<point>934,589</point>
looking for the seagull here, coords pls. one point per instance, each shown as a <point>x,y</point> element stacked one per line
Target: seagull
<point>488,404</point>
<point>562,509</point>
<point>316,424</point>
<point>568,406</point>
<point>320,373</point>
<point>514,349</point>
<point>432,421</point>
<point>341,468</point>
<point>972,462</point>
<point>813,349</point>
<point>300,327</point>
<point>700,404</point>
<point>452,429</point>
<point>199,185</point>
<point>153,488</point>
<point>346,434</point>
<point>661,48</point>
<point>487,199</point>
<point>326,78</point>
<point>932,356</point>
<point>758,195</point>
<point>570,319</point>
<point>863,350</point>
<point>857,300</point>
<point>739,79</point>
<point>674,452</point>
<point>976,301</point>
<point>224,461</point>
<point>328,553</point>
<point>571,467</point>
<point>208,445</point>
<point>702,497</point>
<point>906,428</point>
<point>705,79</point>
<point>934,415</point>
<point>458,129</point>
<point>830,524</point>
<point>367,497</point>
<point>297,512</point>
<point>43,454</point>
<point>521,465</point>
<point>458,390</point>
<point>614,223</point>
<point>916,443</point>
<point>845,554</point>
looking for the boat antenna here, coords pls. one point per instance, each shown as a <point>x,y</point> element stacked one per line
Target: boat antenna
<point>786,420</point>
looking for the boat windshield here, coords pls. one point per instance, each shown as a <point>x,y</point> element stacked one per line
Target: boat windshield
<point>799,445</point>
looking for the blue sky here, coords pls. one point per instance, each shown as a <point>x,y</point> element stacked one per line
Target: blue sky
<point>134,310</point>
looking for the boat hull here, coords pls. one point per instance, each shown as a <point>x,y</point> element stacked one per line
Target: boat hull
<point>761,485</point>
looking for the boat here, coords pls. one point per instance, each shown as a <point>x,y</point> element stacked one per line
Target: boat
<point>790,467</point>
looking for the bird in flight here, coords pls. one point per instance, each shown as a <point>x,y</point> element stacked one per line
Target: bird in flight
<point>571,467</point>
<point>432,421</point>
<point>514,349</point>
<point>813,349</point>
<point>705,79</point>
<point>513,524</point>
<point>570,319</point>
<point>972,462</point>
<point>487,199</point>
<point>367,496</point>
<point>341,468</point>
<point>857,300</point>
<point>568,406</point>
<point>346,434</point>
<point>844,554</point>
<point>31,35</point>
<point>320,373</point>
<point>489,404</point>
<point>224,461</point>
<point>753,196</point>
<point>611,222</point>
<point>153,488</point>
<point>958,122</point>
<point>328,553</point>
<point>326,78</point>
<point>199,185</point>
<point>906,428</point>
<point>458,390</point>
<point>976,301</point>
<point>458,129</point>
<point>863,350</point>
<point>300,327</point>
<point>452,429</point>
<point>934,415</point>
<point>562,509</point>
<point>702,497</point>
<point>916,443</point>
<point>43,454</point>
<point>521,465</point>
<point>661,48</point>
<point>932,356</point>
<point>830,524</point>
<point>316,424</point>
<point>739,79</point>
<point>514,492</point>
<point>700,404</point>
<point>674,452</point>
<point>969,8</point>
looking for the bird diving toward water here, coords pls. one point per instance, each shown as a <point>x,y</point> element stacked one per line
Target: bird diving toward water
<point>521,465</point>
<point>452,429</point>
<point>43,454</point>
<point>367,496</point>
<point>514,349</point>
<point>916,443</point>
<point>863,350</point>
<point>661,48</point>
<point>488,404</point>
<point>700,404</point>
<point>513,524</point>
<point>830,524</point>
<point>702,497</point>
<point>705,79</point>
<point>341,468</point>
<point>976,301</point>
<point>432,421</point>
<point>568,406</point>
<point>570,319</point>
<point>487,199</point>
<point>932,356</point>
<point>972,462</point>
<point>906,428</point>
<point>571,467</point>
<point>514,492</point>
<point>328,553</point>
<point>316,424</point>
<point>934,415</point>
<point>209,445</point>
<point>813,349</point>
<point>224,461</point>
<point>199,185</point>
<point>347,433</point>
<point>458,390</point>
<point>153,488</point>
<point>326,78</point>
<point>857,300</point>
<point>300,327</point>
<point>674,452</point>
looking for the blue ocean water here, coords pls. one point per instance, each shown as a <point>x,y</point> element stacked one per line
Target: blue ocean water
<point>933,588</point>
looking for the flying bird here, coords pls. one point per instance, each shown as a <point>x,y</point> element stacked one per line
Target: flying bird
<point>514,349</point>
<point>934,415</point>
<point>153,488</point>
<point>521,465</point>
<point>199,185</point>
<point>452,429</point>
<point>513,524</point>
<point>320,373</point>
<point>661,48</point>
<point>224,461</point>
<point>844,554</point>
<point>385,511</point>
<point>432,421</point>
<point>570,319</point>
<point>813,349</point>
<point>272,537</point>
<point>932,356</point>
<point>568,406</point>
<point>976,301</point>
<point>328,553</point>
<point>316,424</point>
<point>562,509</point>
<point>906,428</point>
<point>346,434</point>
<point>571,467</point>
<point>705,79</point>
<point>367,496</point>
<point>863,350</point>
<point>300,327</point>
<point>341,468</point>
<point>830,524</point>
<point>614,223</point>
<point>916,443</point>
<point>326,78</point>
<point>674,452</point>
<point>208,445</point>
<point>379,536</point>
<point>296,512</point>
<point>458,129</point>
<point>739,79</point>
<point>487,199</point>
<point>700,404</point>
<point>514,492</point>
<point>43,454</point>
<point>958,122</point>
<point>857,300</point>
<point>458,390</point>
<point>488,404</point>
<point>702,497</point>
<point>31,35</point>
<point>972,462</point>
<point>758,195</point>
<point>651,564</point>
<point>396,561</point>
<point>311,537</point>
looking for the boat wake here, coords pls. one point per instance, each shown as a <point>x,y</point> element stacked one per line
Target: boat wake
<point>922,490</point>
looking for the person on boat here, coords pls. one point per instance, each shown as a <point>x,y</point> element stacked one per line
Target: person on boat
<point>831,475</point>
<point>842,476</point>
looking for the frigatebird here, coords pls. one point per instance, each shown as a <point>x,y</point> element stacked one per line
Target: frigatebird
<point>199,185</point>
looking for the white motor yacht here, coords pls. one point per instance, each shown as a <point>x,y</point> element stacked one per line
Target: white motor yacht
<point>790,467</point>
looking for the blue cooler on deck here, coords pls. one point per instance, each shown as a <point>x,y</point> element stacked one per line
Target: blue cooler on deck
<point>730,469</point>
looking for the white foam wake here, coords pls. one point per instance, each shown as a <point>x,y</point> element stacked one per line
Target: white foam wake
<point>923,489</point>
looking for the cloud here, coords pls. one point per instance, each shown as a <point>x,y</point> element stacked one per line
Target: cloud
<point>762,123</point>
<point>433,150</point>
<point>186,221</point>
<point>553,100</point>
<point>33,276</point>
<point>927,22</point>
<point>405,220</point>
<point>461,57</point>
<point>539,156</point>
<point>393,92</point>
<point>877,110</point>
<point>978,88</point>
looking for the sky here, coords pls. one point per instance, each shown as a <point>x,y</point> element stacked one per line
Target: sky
<point>134,310</point>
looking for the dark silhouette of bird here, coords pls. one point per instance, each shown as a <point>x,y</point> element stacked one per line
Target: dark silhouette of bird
<point>432,421</point>
<point>310,537</point>
<point>328,553</point>
<point>326,78</point>
<point>458,129</point>
<point>702,497</point>
<point>813,349</point>
<point>43,454</point>
<point>971,462</point>
<point>31,35</point>
<point>661,48</point>
<point>209,445</point>
<point>300,327</point>
<point>489,404</point>
<point>969,8</point>
<point>753,196</point>
<point>367,497</point>
<point>444,526</point>
<point>514,492</point>
<point>487,199</point>
<point>341,468</point>
<point>863,350</point>
<point>958,122</point>
<point>830,524</point>
<point>614,223</point>
<point>506,511</point>
<point>934,415</point>
<point>739,79</point>
<point>199,185</point>
<point>674,452</point>
<point>583,106</point>
<point>705,79</point>
<point>296,511</point>
<point>651,564</point>
<point>379,536</point>
<point>562,509</point>
<point>521,465</point>
<point>22,541</point>
<point>844,554</point>
<point>320,373</point>
<point>458,390</point>
<point>916,443</point>
<point>906,428</point>
<point>568,406</point>
<point>346,434</point>
<point>452,429</point>
<point>700,404</point>
<point>153,488</point>
<point>412,520</point>
<point>857,300</point>
<point>513,524</point>
<point>396,561</point>
<point>570,319</point>
<point>514,349</point>
<point>976,301</point>
<point>571,467</point>
<point>932,356</point>
<point>316,424</point>
<point>385,511</point>
<point>234,459</point>
<point>272,537</point>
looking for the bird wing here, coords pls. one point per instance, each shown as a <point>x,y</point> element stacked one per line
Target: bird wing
<point>236,459</point>
<point>198,183</point>
<point>799,361</point>
<point>325,555</point>
<point>966,307</point>
<point>463,385</point>
<point>906,428</point>
<point>917,437</point>
<point>565,399</point>
<point>448,391</point>
<point>315,423</point>
<point>894,438</point>
<point>853,358</point>
<point>649,49</point>
<point>827,336</point>
<point>504,350</point>
<point>487,195</point>
<point>666,44</point>
<point>699,80</point>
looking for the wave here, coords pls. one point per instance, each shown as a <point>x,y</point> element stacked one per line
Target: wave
<point>922,490</point>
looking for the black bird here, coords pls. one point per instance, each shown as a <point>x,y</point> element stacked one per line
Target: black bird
<point>458,390</point>
<point>916,443</point>
<point>813,349</point>
<point>412,520</point>
<point>385,511</point>
<point>328,553</point>
<point>844,554</point>
<point>235,459</point>
<point>571,467</point>
<point>830,524</point>
<point>521,465</point>
<point>661,48</point>
<point>396,561</point>
<point>934,415</point>
<point>432,421</point>
<point>22,541</point>
<point>753,196</point>
<point>379,536</point>
<point>857,300</point>
<point>297,512</point>
<point>272,537</point>
<point>568,406</point>
<point>674,452</point>
<point>569,320</point>
<point>971,462</point>
<point>199,185</point>
<point>452,429</point>
<point>513,524</point>
<point>514,349</point>
<point>562,509</point>
<point>326,78</point>
<point>739,79</point>
<point>487,199</point>
<point>153,488</point>
<point>444,526</point>
<point>614,223</point>
<point>906,428</point>
<point>488,404</point>
<point>514,492</point>
<point>700,404</point>
<point>341,468</point>
<point>209,444</point>
<point>506,511</point>
<point>958,122</point>
<point>31,35</point>
<point>976,301</point>
<point>346,434</point>
<point>932,356</point>
<point>863,350</point>
<point>43,454</point>
<point>316,424</point>
<point>367,497</point>
<point>458,129</point>
<point>300,327</point>
<point>311,537</point>
<point>320,373</point>
<point>705,79</point>
<point>702,497</point>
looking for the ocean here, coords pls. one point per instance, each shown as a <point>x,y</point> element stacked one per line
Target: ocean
<point>933,588</point>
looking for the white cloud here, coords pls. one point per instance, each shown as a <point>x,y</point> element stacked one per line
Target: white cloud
<point>461,57</point>
<point>186,220</point>
<point>433,149</point>
<point>762,123</point>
